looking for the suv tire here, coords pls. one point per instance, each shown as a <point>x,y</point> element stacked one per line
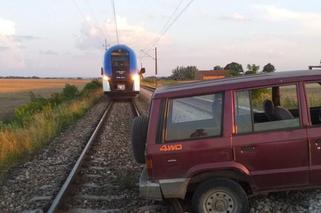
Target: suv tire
<point>220,195</point>
<point>139,133</point>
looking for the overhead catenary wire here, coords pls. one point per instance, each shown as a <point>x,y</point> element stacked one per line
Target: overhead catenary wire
<point>115,20</point>
<point>171,21</point>
<point>85,19</point>
<point>148,48</point>
<point>94,16</point>
<point>170,18</point>
<point>80,11</point>
<point>91,10</point>
<point>107,38</point>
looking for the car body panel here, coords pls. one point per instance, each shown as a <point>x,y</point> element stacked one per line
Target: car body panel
<point>314,135</point>
<point>267,161</point>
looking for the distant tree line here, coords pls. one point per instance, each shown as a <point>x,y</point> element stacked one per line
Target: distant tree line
<point>232,69</point>
<point>20,77</point>
<point>236,69</point>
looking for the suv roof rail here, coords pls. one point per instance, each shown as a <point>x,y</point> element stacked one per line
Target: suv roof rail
<point>318,67</point>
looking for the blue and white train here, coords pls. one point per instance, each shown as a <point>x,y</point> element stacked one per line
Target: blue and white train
<point>119,72</point>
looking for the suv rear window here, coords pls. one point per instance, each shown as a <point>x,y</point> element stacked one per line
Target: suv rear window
<point>313,91</point>
<point>194,117</point>
<point>267,109</point>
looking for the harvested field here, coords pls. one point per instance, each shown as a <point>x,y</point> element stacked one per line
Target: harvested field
<point>15,92</point>
<point>25,85</point>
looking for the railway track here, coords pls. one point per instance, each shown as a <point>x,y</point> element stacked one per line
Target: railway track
<point>149,88</point>
<point>88,182</point>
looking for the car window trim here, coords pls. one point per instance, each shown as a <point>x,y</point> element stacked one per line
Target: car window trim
<point>160,135</point>
<point>310,126</point>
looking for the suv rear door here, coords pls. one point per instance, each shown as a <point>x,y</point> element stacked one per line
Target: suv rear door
<point>269,138</point>
<point>313,94</point>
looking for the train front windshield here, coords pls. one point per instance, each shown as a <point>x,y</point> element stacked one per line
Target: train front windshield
<point>120,65</point>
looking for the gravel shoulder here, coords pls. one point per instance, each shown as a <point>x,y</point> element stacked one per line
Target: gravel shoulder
<point>33,184</point>
<point>143,104</point>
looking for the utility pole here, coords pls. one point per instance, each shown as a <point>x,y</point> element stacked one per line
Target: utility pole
<point>105,45</point>
<point>156,67</point>
<point>155,59</point>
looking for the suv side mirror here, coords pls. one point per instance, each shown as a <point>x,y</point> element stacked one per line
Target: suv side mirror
<point>142,70</point>
<point>101,71</point>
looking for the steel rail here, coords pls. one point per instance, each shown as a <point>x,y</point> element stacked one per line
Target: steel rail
<point>149,88</point>
<point>69,180</point>
<point>135,108</point>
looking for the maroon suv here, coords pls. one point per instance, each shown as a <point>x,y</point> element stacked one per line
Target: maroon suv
<point>219,141</point>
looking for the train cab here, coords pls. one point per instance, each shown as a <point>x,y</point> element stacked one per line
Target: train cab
<point>119,72</point>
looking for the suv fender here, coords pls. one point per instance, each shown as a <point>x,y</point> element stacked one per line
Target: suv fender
<point>218,166</point>
<point>229,170</point>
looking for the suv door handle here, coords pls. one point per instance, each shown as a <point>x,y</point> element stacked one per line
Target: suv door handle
<point>171,161</point>
<point>247,148</point>
<point>317,142</point>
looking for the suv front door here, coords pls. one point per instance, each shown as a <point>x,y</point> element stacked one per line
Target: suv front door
<point>269,140</point>
<point>193,135</point>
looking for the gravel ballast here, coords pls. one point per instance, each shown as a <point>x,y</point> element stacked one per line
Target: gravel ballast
<point>33,184</point>
<point>109,179</point>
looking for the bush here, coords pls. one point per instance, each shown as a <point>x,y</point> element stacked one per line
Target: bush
<point>55,99</point>
<point>70,92</point>
<point>93,85</point>
<point>24,112</point>
<point>184,73</point>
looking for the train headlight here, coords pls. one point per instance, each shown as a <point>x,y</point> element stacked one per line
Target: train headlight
<point>135,77</point>
<point>106,78</point>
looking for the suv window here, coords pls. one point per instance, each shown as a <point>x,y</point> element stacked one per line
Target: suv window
<point>194,117</point>
<point>313,91</point>
<point>267,109</point>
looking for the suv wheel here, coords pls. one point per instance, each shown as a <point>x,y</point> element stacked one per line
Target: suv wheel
<point>220,195</point>
<point>139,133</point>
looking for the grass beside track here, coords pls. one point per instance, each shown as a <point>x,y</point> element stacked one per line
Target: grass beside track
<point>161,82</point>
<point>19,141</point>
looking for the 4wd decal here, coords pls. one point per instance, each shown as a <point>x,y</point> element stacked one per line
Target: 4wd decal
<point>171,147</point>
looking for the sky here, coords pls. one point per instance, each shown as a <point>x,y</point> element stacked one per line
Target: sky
<point>64,38</point>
